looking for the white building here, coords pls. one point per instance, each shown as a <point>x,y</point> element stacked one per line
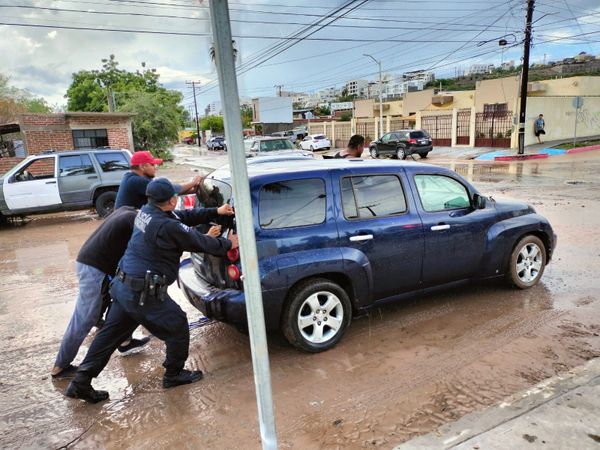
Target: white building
<point>508,65</point>
<point>397,86</point>
<point>356,87</point>
<point>419,75</point>
<point>213,109</point>
<point>480,69</point>
<point>326,95</point>
<point>297,97</point>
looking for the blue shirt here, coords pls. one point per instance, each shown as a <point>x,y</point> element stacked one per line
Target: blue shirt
<point>539,124</point>
<point>132,191</point>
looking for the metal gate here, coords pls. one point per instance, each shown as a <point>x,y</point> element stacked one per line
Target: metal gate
<point>463,126</point>
<point>439,128</point>
<point>493,129</point>
<point>367,130</point>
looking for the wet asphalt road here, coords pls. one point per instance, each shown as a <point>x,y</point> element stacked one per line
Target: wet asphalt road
<point>398,373</point>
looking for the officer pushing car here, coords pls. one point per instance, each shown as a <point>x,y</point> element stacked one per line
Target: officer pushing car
<point>139,290</point>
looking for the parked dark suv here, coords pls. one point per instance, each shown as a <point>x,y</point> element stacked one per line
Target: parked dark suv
<point>338,237</point>
<point>402,143</point>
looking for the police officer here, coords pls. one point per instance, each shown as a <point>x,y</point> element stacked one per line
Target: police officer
<point>139,290</point>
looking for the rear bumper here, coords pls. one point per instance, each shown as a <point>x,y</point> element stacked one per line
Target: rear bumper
<point>423,149</point>
<point>226,305</point>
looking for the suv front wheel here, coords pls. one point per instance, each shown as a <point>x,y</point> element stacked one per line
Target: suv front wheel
<point>105,203</point>
<point>400,152</point>
<point>316,315</point>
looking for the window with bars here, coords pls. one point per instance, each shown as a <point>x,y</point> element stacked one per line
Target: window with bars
<point>90,138</point>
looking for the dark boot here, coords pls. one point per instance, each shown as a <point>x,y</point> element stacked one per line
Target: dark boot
<point>85,391</point>
<point>183,377</point>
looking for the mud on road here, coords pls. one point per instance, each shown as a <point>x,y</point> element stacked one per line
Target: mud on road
<point>400,372</point>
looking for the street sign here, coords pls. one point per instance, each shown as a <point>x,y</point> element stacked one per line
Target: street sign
<point>577,102</point>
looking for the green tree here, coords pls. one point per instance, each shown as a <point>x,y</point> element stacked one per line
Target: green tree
<point>15,101</point>
<point>323,111</point>
<point>212,123</point>
<point>247,116</point>
<point>158,112</point>
<point>346,117</point>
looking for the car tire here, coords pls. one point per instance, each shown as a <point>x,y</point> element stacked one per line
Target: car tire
<point>401,153</point>
<point>319,301</point>
<point>423,155</point>
<point>373,153</point>
<point>527,262</point>
<point>105,203</point>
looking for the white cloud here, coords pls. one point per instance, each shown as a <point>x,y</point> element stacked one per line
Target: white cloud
<point>52,34</point>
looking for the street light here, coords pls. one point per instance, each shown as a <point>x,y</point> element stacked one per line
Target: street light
<point>380,95</point>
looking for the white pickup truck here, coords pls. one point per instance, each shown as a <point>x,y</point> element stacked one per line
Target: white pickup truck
<point>62,181</point>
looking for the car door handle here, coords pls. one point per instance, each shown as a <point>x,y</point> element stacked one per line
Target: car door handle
<point>361,237</point>
<point>93,177</point>
<point>440,227</point>
<point>50,182</point>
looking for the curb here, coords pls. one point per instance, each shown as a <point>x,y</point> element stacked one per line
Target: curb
<point>521,157</point>
<point>589,148</point>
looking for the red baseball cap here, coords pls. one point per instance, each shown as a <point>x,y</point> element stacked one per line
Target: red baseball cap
<point>140,158</point>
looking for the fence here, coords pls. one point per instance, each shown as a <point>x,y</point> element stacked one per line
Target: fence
<point>463,126</point>
<point>439,128</point>
<point>493,129</point>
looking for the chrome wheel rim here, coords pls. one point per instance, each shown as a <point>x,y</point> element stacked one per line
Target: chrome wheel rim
<point>373,153</point>
<point>400,153</point>
<point>529,263</point>
<point>320,317</point>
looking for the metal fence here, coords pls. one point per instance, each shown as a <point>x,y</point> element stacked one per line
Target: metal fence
<point>493,129</point>
<point>439,128</point>
<point>463,126</point>
<point>366,129</point>
<point>401,124</point>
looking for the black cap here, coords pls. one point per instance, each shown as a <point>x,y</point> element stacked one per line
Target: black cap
<point>161,190</point>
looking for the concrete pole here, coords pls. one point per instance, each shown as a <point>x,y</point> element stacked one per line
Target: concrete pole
<point>454,125</point>
<point>380,96</point>
<point>225,62</point>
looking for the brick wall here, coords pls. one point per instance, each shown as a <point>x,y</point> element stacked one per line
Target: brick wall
<point>119,137</point>
<point>39,141</point>
<point>8,163</point>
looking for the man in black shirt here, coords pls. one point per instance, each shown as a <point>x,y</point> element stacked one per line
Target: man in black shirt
<point>97,259</point>
<point>355,148</point>
<point>132,190</point>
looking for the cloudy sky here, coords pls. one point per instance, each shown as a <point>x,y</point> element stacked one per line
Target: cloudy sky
<point>43,42</point>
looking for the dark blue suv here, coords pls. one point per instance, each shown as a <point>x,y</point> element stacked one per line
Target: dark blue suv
<point>337,237</point>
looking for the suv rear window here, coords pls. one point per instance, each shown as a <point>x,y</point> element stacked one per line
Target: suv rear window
<point>295,203</point>
<point>75,165</point>
<point>112,161</point>
<point>418,135</point>
<point>372,196</point>
<point>273,145</point>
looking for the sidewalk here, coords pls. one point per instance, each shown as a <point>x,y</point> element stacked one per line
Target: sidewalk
<point>534,149</point>
<point>562,412</point>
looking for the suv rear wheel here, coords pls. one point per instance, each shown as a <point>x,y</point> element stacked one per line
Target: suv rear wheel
<point>400,152</point>
<point>105,203</point>
<point>373,152</point>
<point>316,315</point>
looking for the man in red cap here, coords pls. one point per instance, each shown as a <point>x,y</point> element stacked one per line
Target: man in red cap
<point>132,191</point>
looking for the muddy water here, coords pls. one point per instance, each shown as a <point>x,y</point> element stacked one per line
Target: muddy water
<point>400,372</point>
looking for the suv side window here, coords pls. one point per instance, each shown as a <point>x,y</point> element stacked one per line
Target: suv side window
<point>38,169</point>
<point>112,161</point>
<point>295,203</point>
<point>75,165</point>
<point>372,196</point>
<point>386,138</point>
<point>440,193</point>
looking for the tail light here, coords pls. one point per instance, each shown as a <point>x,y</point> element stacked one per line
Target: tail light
<point>412,141</point>
<point>189,201</point>
<point>233,272</point>
<point>233,255</point>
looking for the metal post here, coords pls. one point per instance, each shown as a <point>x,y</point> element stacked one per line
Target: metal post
<point>225,62</point>
<point>193,83</point>
<point>380,95</point>
<point>525,76</point>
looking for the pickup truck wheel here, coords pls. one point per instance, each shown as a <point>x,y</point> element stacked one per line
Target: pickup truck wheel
<point>316,315</point>
<point>105,203</point>
<point>527,262</point>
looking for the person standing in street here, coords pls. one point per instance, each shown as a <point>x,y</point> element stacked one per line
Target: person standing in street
<point>96,261</point>
<point>538,127</point>
<point>139,290</point>
<point>132,190</point>
<point>354,149</point>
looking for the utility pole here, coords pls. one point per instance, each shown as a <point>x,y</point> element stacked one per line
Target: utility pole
<point>111,100</point>
<point>525,76</point>
<point>380,95</point>
<point>194,83</point>
<point>225,62</point>
<point>278,89</point>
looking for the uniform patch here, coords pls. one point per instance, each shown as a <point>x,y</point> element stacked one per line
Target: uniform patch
<point>142,220</point>
<point>185,227</point>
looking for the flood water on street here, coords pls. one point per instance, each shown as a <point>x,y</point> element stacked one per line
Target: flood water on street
<point>401,371</point>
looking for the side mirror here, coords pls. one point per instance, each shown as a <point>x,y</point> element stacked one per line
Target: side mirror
<point>479,201</point>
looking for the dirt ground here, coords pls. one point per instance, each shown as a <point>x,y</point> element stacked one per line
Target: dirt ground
<point>398,373</point>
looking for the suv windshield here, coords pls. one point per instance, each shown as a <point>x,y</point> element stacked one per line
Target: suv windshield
<point>273,145</point>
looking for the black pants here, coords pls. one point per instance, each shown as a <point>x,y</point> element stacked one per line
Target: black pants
<point>165,320</point>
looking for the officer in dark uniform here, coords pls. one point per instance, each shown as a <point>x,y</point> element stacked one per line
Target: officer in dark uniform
<point>139,290</point>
